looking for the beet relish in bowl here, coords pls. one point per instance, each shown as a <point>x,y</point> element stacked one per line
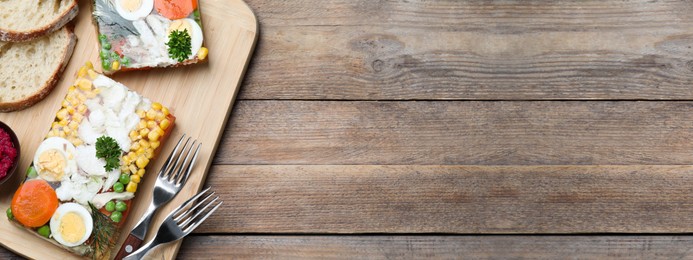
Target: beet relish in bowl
<point>9,152</point>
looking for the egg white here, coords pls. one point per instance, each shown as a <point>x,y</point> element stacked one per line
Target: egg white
<point>82,212</point>
<point>141,12</point>
<point>64,148</point>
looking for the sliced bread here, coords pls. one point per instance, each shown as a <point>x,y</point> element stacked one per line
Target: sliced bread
<point>24,20</point>
<point>30,70</point>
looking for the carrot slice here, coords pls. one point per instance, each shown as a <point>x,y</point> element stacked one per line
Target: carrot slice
<point>175,9</point>
<point>34,203</point>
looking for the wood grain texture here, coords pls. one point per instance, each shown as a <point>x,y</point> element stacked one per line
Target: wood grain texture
<point>451,199</point>
<point>436,247</point>
<point>187,91</point>
<point>472,50</point>
<point>456,132</point>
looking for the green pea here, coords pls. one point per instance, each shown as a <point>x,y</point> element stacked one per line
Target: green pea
<point>116,216</point>
<point>9,214</point>
<point>106,46</point>
<point>118,187</point>
<point>115,56</point>
<point>106,64</point>
<point>44,231</point>
<point>124,178</point>
<point>110,206</point>
<point>103,54</point>
<point>31,172</point>
<point>121,206</point>
<point>125,60</point>
<point>103,38</point>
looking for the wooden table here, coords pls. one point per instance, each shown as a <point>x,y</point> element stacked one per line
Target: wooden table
<point>414,129</point>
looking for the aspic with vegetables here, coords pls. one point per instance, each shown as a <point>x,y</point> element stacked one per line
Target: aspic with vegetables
<point>141,34</point>
<point>85,173</point>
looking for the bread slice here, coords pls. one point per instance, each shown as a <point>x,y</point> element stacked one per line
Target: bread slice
<point>24,20</point>
<point>30,70</point>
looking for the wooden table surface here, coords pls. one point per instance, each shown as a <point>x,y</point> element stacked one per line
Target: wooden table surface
<point>440,129</point>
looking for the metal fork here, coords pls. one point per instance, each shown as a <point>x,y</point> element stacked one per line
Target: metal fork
<point>171,179</point>
<point>181,221</point>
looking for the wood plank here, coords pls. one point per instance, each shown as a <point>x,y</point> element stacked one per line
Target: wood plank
<point>451,199</point>
<point>472,50</point>
<point>437,247</point>
<point>470,133</point>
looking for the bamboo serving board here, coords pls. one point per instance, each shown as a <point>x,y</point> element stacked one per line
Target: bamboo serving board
<point>200,96</point>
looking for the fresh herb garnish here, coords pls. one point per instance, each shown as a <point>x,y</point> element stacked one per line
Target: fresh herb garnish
<point>107,148</point>
<point>105,233</point>
<point>179,46</point>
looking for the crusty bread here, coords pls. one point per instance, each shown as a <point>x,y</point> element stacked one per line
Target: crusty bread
<point>24,20</point>
<point>30,70</point>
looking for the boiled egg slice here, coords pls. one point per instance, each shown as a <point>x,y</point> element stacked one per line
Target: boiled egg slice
<point>54,159</point>
<point>194,30</point>
<point>71,224</point>
<point>134,9</point>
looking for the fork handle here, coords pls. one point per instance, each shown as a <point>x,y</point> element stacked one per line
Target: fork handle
<point>132,242</point>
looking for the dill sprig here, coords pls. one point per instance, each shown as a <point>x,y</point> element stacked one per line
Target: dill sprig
<point>179,45</point>
<point>104,234</point>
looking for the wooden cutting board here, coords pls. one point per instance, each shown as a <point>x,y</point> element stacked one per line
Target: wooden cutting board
<point>200,96</point>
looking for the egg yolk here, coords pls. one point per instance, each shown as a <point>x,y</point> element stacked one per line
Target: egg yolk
<point>131,5</point>
<point>179,25</point>
<point>72,227</point>
<point>52,163</point>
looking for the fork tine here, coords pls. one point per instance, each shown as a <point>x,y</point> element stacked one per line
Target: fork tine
<point>164,168</point>
<point>185,223</point>
<point>192,208</point>
<point>187,202</point>
<point>184,177</point>
<point>173,167</point>
<point>179,170</point>
<point>195,224</point>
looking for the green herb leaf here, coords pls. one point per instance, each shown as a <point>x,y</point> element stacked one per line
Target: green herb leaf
<point>107,148</point>
<point>179,46</point>
<point>105,233</point>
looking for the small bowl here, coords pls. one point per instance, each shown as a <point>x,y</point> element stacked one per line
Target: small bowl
<point>15,142</point>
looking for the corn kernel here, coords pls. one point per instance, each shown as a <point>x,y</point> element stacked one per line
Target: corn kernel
<point>158,130</point>
<point>140,172</point>
<point>65,103</point>
<point>142,162</point>
<point>82,108</point>
<point>73,100</point>
<point>154,144</point>
<point>153,135</point>
<point>62,114</point>
<point>132,156</point>
<point>164,124</point>
<point>149,153</point>
<point>140,151</point>
<point>202,53</point>
<point>70,110</point>
<point>165,111</point>
<point>54,125</point>
<point>141,113</point>
<point>151,114</point>
<point>71,88</point>
<point>82,72</point>
<point>156,106</point>
<point>144,143</point>
<point>84,84</point>
<point>142,124</point>
<point>77,117</point>
<point>92,74</point>
<point>97,90</point>
<point>73,125</point>
<point>67,130</point>
<point>89,65</point>
<point>135,178</point>
<point>62,134</point>
<point>126,160</point>
<point>51,134</point>
<point>133,135</point>
<point>135,146</point>
<point>132,169</point>
<point>144,132</point>
<point>90,94</point>
<point>77,142</point>
<point>115,65</point>
<point>151,124</point>
<point>81,97</point>
<point>159,116</point>
<point>63,122</point>
<point>132,187</point>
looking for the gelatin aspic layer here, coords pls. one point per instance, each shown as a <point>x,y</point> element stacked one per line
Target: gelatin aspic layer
<point>85,173</point>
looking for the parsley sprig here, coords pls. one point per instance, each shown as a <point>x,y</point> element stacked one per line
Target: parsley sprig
<point>179,46</point>
<point>107,148</point>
